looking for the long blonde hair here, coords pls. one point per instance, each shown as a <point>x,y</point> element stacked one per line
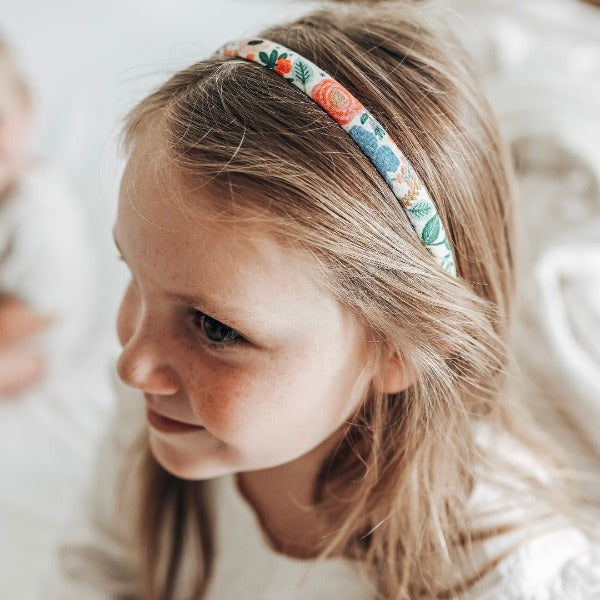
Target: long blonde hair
<point>397,486</point>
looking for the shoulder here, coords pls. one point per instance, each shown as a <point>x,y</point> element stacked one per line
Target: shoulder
<point>43,240</point>
<point>563,564</point>
<point>547,556</point>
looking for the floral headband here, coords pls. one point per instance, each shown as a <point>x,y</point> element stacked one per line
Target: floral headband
<point>363,128</point>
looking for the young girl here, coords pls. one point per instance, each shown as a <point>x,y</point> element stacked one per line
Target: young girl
<point>319,227</point>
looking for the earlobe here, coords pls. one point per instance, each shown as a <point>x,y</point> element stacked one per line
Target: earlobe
<point>396,375</point>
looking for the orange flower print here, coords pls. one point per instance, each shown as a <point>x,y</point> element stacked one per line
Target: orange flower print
<point>283,66</point>
<point>250,56</point>
<point>336,100</point>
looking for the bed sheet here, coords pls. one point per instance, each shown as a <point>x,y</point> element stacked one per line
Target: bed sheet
<point>540,63</point>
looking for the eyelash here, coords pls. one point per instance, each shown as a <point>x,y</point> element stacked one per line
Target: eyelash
<point>197,315</point>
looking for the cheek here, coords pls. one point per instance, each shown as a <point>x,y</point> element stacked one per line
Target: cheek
<point>228,399</point>
<point>267,402</point>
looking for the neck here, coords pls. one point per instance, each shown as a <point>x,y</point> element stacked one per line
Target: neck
<point>283,500</point>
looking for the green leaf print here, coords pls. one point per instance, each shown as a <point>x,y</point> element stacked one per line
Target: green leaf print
<point>363,118</point>
<point>302,71</point>
<point>420,209</point>
<point>431,231</point>
<point>269,60</point>
<point>272,59</point>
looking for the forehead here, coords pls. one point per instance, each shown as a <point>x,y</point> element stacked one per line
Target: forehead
<point>174,239</point>
<point>161,204</point>
<point>150,177</point>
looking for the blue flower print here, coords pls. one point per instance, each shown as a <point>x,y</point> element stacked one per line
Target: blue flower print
<point>385,161</point>
<point>381,156</point>
<point>366,141</point>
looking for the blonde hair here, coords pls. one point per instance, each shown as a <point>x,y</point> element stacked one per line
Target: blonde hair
<point>397,486</point>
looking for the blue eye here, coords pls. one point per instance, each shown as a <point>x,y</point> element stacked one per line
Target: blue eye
<point>215,331</point>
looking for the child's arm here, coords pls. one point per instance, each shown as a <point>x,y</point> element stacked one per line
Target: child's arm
<point>18,321</point>
<point>20,366</point>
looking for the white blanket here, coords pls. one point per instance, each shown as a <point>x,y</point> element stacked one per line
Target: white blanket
<point>540,62</point>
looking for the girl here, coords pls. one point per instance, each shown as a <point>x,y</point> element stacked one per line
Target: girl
<point>318,222</point>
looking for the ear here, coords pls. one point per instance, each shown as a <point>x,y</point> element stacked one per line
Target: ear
<point>395,375</point>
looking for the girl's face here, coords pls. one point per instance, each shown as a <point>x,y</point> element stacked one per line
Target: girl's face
<point>245,363</point>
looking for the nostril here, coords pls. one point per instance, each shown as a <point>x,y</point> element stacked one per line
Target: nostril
<point>147,374</point>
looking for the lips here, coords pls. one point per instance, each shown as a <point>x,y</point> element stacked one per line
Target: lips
<point>168,425</point>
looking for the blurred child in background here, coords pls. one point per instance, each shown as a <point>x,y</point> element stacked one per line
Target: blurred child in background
<point>51,369</point>
<point>44,254</point>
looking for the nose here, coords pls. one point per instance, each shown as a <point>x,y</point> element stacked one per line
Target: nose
<point>143,364</point>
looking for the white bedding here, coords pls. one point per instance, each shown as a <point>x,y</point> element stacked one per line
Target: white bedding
<point>88,62</point>
<point>540,61</point>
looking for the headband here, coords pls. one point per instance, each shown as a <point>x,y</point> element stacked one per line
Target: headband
<point>363,128</point>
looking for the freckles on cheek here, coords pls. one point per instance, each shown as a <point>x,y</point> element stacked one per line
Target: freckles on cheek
<point>229,400</point>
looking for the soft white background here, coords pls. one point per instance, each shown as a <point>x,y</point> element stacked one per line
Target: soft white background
<point>88,62</point>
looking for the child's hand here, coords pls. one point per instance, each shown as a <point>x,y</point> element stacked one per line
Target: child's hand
<point>20,368</point>
<point>18,322</point>
<point>20,365</point>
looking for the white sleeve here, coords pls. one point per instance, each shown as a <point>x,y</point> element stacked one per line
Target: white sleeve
<point>96,560</point>
<point>51,263</point>
<point>550,560</point>
<point>562,565</point>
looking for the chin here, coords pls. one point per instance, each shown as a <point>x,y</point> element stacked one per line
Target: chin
<point>181,464</point>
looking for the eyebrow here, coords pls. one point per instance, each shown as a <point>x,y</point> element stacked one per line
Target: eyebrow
<point>225,315</point>
<point>199,302</point>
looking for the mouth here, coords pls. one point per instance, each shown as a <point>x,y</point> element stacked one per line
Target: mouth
<point>167,425</point>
